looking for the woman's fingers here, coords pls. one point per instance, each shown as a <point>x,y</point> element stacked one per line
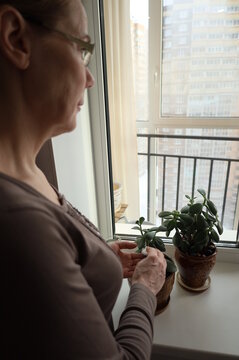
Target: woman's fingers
<point>156,257</point>
<point>151,271</point>
<point>126,244</point>
<point>135,261</point>
<point>129,274</point>
<point>137,256</point>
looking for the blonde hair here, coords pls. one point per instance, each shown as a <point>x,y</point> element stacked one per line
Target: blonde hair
<point>45,11</point>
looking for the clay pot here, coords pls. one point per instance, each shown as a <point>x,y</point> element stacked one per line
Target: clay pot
<point>194,270</point>
<point>163,296</point>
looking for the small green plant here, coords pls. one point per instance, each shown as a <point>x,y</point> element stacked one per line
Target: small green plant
<point>197,226</point>
<point>148,237</point>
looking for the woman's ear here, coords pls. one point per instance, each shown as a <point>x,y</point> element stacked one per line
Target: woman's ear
<point>14,37</point>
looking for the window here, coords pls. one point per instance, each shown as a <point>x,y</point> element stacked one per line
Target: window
<point>201,45</point>
<point>182,27</point>
<point>185,65</point>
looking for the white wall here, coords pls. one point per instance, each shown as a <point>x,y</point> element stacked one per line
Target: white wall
<point>74,166</point>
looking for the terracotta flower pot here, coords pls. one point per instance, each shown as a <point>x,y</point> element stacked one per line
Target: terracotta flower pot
<point>163,296</point>
<point>194,270</point>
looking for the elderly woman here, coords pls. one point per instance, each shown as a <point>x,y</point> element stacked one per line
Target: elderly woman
<point>59,279</point>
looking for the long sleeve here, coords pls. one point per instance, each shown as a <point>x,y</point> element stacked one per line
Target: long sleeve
<point>59,283</point>
<point>50,310</point>
<point>135,330</point>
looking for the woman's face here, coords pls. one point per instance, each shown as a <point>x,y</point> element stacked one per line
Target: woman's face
<point>61,77</point>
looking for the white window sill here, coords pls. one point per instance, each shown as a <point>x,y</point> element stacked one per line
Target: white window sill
<point>198,325</point>
<point>126,229</point>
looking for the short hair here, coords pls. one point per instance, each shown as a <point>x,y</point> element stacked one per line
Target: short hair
<point>42,11</point>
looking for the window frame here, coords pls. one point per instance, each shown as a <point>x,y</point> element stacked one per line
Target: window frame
<point>99,118</point>
<point>154,91</point>
<point>100,128</point>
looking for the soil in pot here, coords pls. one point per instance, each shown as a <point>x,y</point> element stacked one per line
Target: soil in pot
<point>194,270</point>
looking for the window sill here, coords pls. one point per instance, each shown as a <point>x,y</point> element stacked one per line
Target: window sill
<point>125,229</point>
<point>195,325</point>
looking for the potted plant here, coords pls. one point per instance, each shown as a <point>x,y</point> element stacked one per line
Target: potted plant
<point>148,237</point>
<point>197,228</point>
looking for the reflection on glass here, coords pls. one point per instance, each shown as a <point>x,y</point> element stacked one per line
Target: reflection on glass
<point>200,59</point>
<point>139,33</point>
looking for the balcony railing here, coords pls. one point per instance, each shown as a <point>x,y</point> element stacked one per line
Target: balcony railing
<point>152,153</point>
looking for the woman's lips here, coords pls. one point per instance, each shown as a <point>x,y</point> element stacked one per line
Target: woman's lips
<point>79,106</point>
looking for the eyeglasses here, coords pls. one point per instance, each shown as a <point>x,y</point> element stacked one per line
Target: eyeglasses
<point>86,48</point>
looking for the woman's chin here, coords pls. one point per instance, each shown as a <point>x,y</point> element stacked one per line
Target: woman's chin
<point>66,127</point>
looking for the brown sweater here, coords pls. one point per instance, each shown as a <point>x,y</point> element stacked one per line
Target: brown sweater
<point>59,283</point>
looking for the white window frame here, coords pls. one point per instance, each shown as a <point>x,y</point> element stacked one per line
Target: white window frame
<point>100,145</point>
<point>154,90</point>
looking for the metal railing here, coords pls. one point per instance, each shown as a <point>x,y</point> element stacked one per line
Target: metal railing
<point>149,154</point>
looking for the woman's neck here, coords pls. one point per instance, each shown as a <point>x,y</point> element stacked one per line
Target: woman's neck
<point>18,161</point>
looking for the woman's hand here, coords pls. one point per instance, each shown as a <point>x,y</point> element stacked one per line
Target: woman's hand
<point>151,271</point>
<point>128,260</point>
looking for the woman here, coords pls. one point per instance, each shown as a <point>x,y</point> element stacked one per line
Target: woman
<point>59,279</point>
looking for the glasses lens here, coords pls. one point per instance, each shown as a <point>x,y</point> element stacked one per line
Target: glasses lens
<point>86,57</point>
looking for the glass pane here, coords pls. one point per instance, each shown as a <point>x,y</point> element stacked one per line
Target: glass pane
<point>139,34</point>
<point>209,163</point>
<point>200,62</point>
<point>143,185</point>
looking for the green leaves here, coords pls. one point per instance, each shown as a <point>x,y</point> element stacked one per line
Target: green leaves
<point>199,241</point>
<point>201,222</point>
<point>214,235</point>
<point>201,237</point>
<point>148,236</point>
<point>186,218</point>
<point>158,244</point>
<point>140,221</point>
<point>162,228</point>
<point>184,246</point>
<point>185,209</point>
<point>219,228</point>
<point>212,208</point>
<point>209,217</point>
<point>165,223</point>
<point>196,227</point>
<point>171,225</point>
<point>164,214</point>
<point>177,239</point>
<point>195,208</point>
<point>202,192</point>
<point>140,242</point>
